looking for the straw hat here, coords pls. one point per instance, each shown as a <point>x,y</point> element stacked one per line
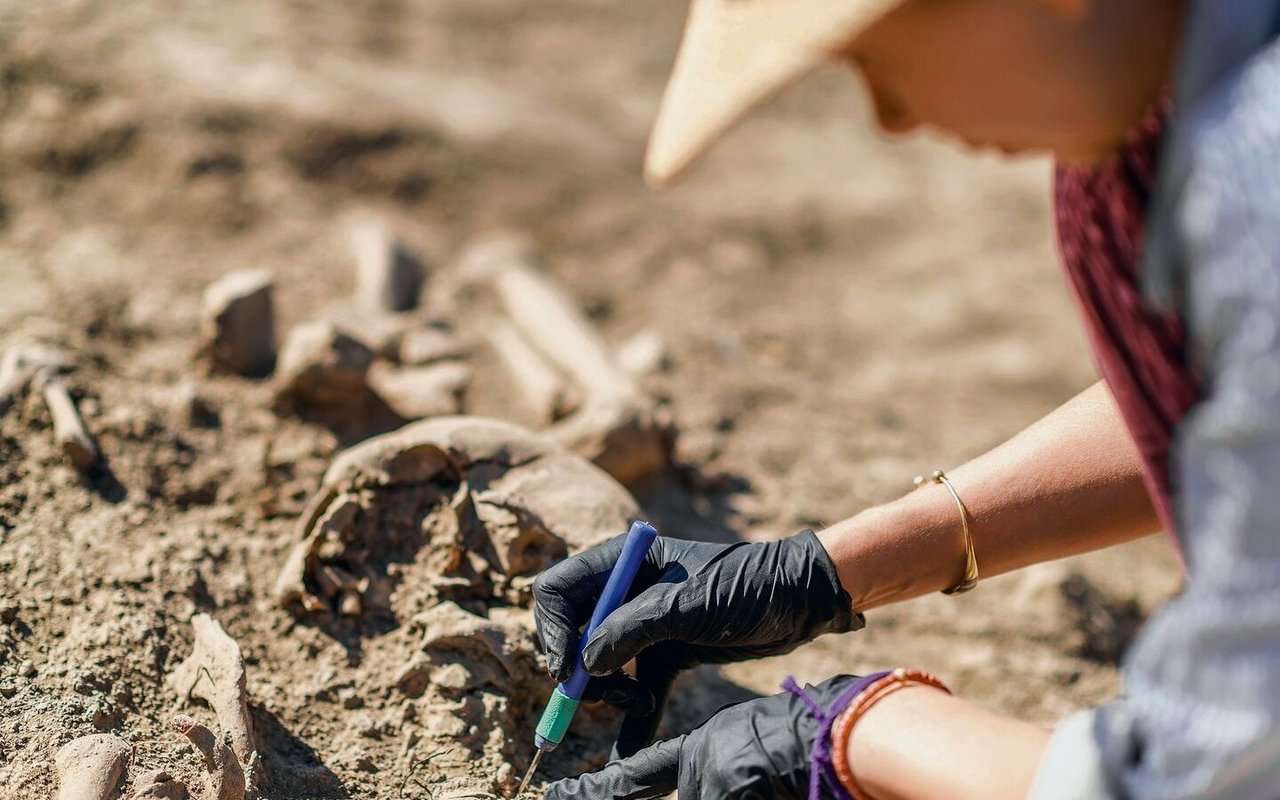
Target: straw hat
<point>734,55</point>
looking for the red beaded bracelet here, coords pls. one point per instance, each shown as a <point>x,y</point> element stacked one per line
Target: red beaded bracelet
<point>898,679</point>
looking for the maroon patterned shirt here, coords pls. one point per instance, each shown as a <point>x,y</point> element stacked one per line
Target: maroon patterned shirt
<point>1100,215</point>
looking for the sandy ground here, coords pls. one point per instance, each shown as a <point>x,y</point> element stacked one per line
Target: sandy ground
<point>840,313</point>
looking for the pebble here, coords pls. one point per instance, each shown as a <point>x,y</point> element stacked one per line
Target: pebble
<point>238,322</point>
<point>323,370</point>
<point>388,276</point>
<point>350,700</point>
<point>643,354</point>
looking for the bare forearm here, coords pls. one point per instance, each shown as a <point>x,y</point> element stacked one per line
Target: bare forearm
<point>921,743</point>
<point>1068,484</point>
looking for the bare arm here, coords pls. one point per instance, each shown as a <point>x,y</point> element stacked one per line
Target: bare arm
<point>921,743</point>
<point>1070,483</point>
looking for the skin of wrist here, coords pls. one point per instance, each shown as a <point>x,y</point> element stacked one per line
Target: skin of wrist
<point>906,548</point>
<point>921,742</point>
<point>867,779</point>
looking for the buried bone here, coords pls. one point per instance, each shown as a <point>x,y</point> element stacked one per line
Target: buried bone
<point>417,392</point>
<point>69,432</point>
<point>156,784</point>
<point>428,345</point>
<point>20,365</point>
<point>541,387</point>
<point>552,322</point>
<point>214,673</point>
<point>492,500</point>
<point>91,767</point>
<point>615,426</point>
<point>224,777</point>
<point>462,651</point>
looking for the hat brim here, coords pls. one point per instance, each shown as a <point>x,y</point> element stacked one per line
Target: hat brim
<point>734,55</point>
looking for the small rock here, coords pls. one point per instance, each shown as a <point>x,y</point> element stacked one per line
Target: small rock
<point>350,699</point>
<point>322,372</point>
<point>643,354</point>
<point>193,408</point>
<point>105,717</point>
<point>26,669</point>
<point>419,392</point>
<point>89,683</point>
<point>451,676</point>
<point>505,775</point>
<point>388,277</point>
<point>238,322</point>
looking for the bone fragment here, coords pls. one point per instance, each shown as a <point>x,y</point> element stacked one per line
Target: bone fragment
<point>214,673</point>
<point>156,784</point>
<point>417,392</point>
<point>541,309</point>
<point>19,366</point>
<point>427,345</point>
<point>542,389</point>
<point>69,431</point>
<point>643,354</point>
<point>615,426</point>
<point>492,645</point>
<point>380,332</point>
<point>91,767</point>
<point>224,777</point>
<point>238,322</point>
<point>388,276</point>
<point>322,373</point>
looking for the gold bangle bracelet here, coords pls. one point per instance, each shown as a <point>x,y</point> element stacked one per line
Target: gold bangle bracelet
<point>970,578</point>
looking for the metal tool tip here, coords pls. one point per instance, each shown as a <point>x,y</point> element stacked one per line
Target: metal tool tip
<point>528,776</point>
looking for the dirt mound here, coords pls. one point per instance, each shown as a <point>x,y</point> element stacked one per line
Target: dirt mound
<point>157,466</point>
<point>397,636</point>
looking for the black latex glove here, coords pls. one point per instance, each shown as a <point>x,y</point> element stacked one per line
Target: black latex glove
<point>753,750</point>
<point>691,603</point>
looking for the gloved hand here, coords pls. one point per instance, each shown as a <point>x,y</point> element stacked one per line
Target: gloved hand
<point>758,749</point>
<point>691,603</point>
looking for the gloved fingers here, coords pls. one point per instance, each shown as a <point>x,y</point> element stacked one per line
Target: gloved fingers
<point>564,596</point>
<point>656,670</point>
<point>652,772</point>
<point>651,617</point>
<point>621,691</point>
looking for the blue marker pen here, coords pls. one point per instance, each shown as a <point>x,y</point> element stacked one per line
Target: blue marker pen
<point>567,695</point>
